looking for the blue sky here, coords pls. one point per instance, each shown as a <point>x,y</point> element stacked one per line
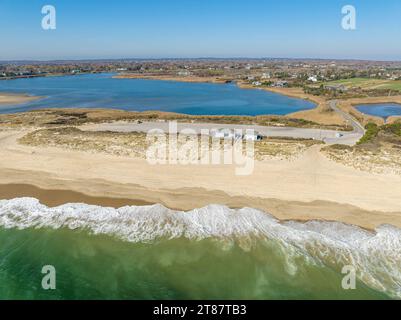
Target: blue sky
<point>200,28</point>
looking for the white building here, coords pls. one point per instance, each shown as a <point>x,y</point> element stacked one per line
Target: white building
<point>266,76</point>
<point>280,84</point>
<point>184,73</point>
<point>312,78</point>
<point>252,137</point>
<point>224,134</point>
<point>231,134</point>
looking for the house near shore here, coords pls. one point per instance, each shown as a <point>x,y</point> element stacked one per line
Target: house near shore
<point>312,79</point>
<point>280,84</point>
<point>266,76</point>
<point>184,73</point>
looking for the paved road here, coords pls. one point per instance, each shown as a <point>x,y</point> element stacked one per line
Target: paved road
<point>358,131</point>
<point>329,136</point>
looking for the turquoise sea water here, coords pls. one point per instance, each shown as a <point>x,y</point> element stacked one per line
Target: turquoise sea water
<point>102,91</point>
<point>384,110</point>
<point>210,253</point>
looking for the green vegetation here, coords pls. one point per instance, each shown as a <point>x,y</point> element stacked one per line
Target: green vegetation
<point>386,131</point>
<point>372,131</point>
<point>378,151</point>
<point>267,83</point>
<point>394,128</point>
<point>316,91</point>
<point>74,117</point>
<point>338,147</point>
<point>368,83</point>
<point>355,88</point>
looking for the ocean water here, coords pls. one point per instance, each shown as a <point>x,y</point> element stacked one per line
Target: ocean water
<point>102,91</point>
<point>215,252</point>
<point>381,110</point>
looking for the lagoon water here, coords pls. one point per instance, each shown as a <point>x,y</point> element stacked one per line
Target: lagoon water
<point>102,91</point>
<point>384,110</point>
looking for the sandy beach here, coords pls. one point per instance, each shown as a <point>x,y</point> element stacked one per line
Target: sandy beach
<point>309,187</point>
<point>10,99</point>
<point>190,79</point>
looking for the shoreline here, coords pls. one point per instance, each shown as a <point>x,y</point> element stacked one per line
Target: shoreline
<point>16,99</point>
<point>240,84</point>
<point>54,197</point>
<point>316,114</point>
<point>350,105</point>
<point>189,79</point>
<point>387,120</point>
<point>284,211</point>
<point>320,113</point>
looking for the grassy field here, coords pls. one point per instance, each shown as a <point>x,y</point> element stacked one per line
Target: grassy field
<point>368,84</point>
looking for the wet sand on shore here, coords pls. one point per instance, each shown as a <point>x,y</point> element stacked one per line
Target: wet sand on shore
<point>11,99</point>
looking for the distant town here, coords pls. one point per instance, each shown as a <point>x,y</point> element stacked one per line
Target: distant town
<point>330,78</point>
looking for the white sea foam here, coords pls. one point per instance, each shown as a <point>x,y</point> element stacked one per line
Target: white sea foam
<point>376,255</point>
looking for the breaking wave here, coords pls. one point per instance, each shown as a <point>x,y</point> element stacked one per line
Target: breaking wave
<point>375,255</point>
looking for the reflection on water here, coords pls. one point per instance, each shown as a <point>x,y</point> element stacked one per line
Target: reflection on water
<point>384,110</point>
<point>102,91</point>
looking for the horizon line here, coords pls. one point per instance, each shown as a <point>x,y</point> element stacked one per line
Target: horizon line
<point>194,58</point>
